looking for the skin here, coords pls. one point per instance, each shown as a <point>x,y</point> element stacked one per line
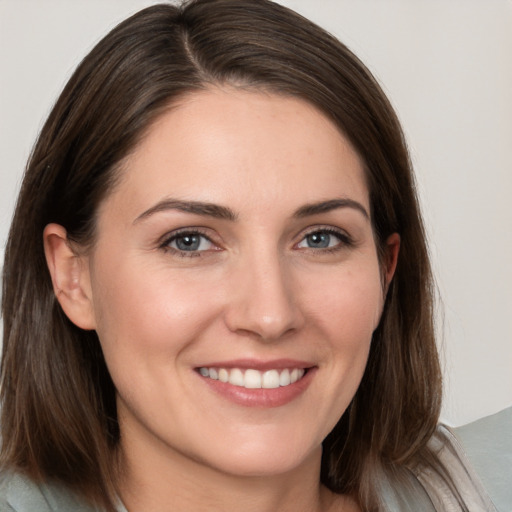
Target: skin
<point>256,289</point>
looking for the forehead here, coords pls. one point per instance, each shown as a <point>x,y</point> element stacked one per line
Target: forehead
<point>248,148</point>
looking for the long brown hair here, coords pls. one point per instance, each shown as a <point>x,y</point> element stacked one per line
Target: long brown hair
<point>59,417</point>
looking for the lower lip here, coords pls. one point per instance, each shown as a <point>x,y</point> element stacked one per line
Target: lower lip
<point>264,398</point>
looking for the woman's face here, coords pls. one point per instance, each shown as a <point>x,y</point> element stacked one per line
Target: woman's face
<point>235,283</point>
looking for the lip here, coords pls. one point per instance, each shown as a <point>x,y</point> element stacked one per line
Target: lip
<point>260,398</point>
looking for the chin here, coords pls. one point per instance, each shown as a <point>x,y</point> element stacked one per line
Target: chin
<point>266,459</point>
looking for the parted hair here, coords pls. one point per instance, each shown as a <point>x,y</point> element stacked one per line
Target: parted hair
<point>58,417</point>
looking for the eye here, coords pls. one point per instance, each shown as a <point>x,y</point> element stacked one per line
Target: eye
<point>189,241</point>
<point>324,239</point>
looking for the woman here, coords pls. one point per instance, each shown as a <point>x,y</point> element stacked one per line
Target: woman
<point>216,291</point>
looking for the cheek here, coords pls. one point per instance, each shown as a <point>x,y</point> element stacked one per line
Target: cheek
<point>347,302</point>
<point>344,307</point>
<point>149,312</point>
<point>346,310</point>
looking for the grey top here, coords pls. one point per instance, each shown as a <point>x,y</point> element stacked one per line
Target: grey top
<point>478,459</point>
<point>488,445</point>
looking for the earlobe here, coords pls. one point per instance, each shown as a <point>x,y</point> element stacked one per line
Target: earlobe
<point>70,277</point>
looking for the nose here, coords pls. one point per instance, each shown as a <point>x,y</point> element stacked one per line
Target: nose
<point>263,302</point>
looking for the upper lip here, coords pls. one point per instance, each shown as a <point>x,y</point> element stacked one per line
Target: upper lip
<point>276,364</point>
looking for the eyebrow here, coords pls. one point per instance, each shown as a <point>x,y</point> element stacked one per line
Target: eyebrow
<point>327,206</point>
<point>195,207</point>
<point>225,213</point>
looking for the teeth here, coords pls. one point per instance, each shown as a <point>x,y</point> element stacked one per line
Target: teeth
<point>254,379</point>
<point>270,379</point>
<point>284,378</point>
<point>236,377</point>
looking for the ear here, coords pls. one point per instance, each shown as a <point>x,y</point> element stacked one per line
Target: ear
<point>391,248</point>
<point>70,277</point>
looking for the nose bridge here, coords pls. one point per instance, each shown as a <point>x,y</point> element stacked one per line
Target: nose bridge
<point>262,300</point>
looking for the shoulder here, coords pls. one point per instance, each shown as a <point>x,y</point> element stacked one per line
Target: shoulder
<point>471,466</point>
<point>488,445</point>
<point>20,494</point>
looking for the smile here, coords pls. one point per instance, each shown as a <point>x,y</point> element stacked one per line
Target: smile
<point>254,379</point>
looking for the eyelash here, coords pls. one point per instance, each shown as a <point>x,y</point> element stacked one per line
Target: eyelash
<point>344,241</point>
<point>175,235</point>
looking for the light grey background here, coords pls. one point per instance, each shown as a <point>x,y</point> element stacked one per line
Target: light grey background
<point>447,67</point>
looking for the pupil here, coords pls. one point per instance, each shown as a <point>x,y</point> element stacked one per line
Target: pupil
<point>319,240</point>
<point>188,242</point>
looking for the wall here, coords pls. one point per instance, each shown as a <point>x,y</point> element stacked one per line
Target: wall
<point>447,68</point>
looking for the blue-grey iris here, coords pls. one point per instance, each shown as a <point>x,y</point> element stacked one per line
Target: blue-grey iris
<point>188,242</point>
<point>318,240</point>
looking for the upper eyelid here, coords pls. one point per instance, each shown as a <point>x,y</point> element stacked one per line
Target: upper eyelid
<point>318,228</point>
<point>344,238</point>
<point>172,235</point>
